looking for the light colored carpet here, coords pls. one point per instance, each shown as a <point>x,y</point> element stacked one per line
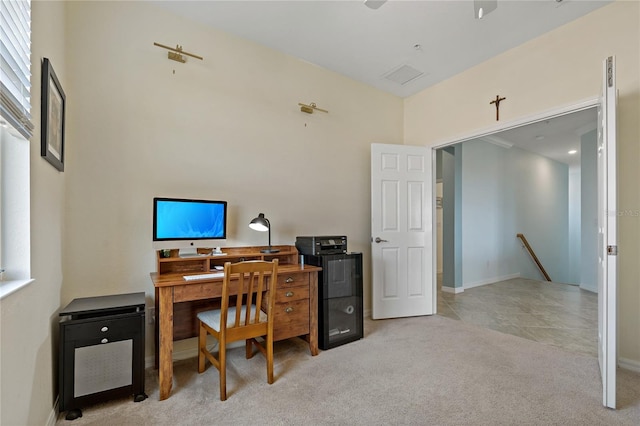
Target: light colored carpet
<point>412,371</point>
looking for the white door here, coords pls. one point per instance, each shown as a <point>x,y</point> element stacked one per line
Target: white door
<point>607,241</point>
<point>401,231</point>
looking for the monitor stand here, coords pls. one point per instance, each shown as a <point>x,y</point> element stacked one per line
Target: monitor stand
<point>188,252</point>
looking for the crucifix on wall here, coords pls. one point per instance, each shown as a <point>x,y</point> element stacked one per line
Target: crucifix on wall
<point>497,101</point>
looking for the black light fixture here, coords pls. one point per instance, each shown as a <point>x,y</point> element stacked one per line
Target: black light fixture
<point>374,4</point>
<point>262,224</point>
<point>482,7</point>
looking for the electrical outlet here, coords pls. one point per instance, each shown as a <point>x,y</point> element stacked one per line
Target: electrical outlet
<point>151,315</point>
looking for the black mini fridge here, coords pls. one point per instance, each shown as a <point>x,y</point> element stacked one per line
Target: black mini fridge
<point>339,298</point>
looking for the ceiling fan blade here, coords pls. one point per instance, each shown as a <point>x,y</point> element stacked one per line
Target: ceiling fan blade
<point>374,4</point>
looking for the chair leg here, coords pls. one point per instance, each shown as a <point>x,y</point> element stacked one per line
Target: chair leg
<point>222,356</point>
<point>202,346</point>
<point>269,343</point>
<point>249,348</point>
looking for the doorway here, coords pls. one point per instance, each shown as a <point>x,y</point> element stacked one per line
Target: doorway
<point>523,180</point>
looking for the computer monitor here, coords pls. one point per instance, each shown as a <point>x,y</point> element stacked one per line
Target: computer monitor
<point>188,224</point>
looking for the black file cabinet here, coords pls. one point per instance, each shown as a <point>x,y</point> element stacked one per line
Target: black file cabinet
<point>101,351</point>
<point>340,298</point>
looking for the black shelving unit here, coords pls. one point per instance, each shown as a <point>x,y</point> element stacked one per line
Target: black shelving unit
<point>340,298</point>
<point>101,351</point>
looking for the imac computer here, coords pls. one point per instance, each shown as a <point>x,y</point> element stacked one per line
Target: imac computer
<point>188,224</point>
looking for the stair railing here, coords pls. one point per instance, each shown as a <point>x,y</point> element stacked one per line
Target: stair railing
<point>533,256</point>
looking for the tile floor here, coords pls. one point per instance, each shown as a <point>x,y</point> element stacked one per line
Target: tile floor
<point>561,315</point>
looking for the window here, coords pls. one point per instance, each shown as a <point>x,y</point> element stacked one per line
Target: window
<point>15,65</point>
<point>15,131</point>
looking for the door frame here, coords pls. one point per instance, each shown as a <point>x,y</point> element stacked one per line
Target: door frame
<point>508,125</point>
<point>500,127</point>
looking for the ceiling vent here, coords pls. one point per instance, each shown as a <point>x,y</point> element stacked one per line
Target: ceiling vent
<point>403,74</point>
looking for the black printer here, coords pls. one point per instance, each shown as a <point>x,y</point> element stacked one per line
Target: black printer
<point>316,246</point>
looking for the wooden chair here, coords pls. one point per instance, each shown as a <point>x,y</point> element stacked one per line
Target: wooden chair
<point>244,285</point>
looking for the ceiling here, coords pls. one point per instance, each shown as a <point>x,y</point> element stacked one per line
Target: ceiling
<point>552,138</point>
<point>386,46</point>
<point>382,47</point>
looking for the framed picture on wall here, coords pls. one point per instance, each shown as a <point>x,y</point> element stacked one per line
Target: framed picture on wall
<point>53,115</point>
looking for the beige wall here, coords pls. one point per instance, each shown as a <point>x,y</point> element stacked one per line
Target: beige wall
<point>30,316</point>
<point>559,69</point>
<point>228,127</point>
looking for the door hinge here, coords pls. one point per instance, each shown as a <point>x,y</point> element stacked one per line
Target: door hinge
<point>610,71</point>
<point>612,250</point>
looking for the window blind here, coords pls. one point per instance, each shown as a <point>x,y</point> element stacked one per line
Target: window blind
<point>15,65</point>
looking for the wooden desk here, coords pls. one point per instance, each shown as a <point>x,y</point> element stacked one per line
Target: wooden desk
<point>296,298</point>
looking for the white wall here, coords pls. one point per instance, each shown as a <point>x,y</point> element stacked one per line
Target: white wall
<point>539,193</point>
<point>30,316</point>
<point>228,127</point>
<point>558,69</point>
<point>575,217</point>
<point>484,219</point>
<point>589,212</point>
<point>506,192</point>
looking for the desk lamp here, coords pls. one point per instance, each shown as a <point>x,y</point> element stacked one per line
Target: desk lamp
<point>262,224</point>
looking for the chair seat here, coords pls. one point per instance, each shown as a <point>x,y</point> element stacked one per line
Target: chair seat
<point>212,318</point>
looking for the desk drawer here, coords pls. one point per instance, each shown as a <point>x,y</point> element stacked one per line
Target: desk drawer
<point>290,280</point>
<point>286,295</point>
<point>185,293</point>
<point>291,319</point>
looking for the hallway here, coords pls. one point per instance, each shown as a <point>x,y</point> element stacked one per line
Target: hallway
<point>560,315</point>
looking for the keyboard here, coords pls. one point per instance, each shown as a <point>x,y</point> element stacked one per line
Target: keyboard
<point>207,276</point>
<point>187,255</point>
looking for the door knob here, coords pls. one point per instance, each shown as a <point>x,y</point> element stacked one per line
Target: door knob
<point>380,240</point>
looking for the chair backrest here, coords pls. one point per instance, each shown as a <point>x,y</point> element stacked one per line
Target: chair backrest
<point>247,281</point>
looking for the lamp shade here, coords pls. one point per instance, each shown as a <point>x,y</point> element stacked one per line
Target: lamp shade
<point>262,224</point>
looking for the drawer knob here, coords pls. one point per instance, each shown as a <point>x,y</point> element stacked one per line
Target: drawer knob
<point>289,294</point>
<point>105,340</point>
<point>288,280</point>
<point>289,310</point>
<point>104,329</point>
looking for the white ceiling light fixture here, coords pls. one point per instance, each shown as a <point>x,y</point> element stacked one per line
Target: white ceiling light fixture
<point>573,151</point>
<point>374,4</point>
<point>482,7</point>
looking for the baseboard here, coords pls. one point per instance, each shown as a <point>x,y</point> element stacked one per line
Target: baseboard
<point>491,280</point>
<point>453,290</point>
<point>591,289</point>
<point>629,364</point>
<point>53,415</point>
